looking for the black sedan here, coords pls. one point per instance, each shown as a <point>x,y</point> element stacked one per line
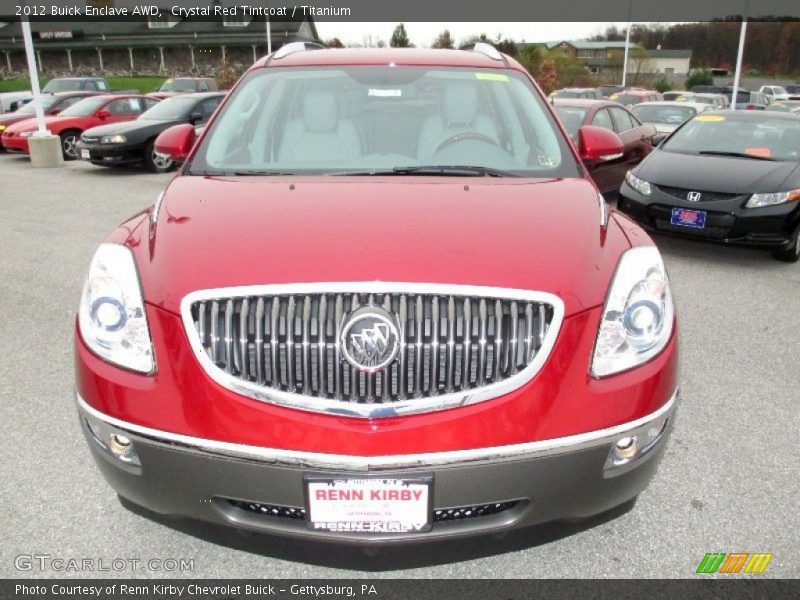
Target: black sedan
<point>133,141</point>
<point>731,177</point>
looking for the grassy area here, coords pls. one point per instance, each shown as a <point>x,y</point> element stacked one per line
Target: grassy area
<point>143,84</point>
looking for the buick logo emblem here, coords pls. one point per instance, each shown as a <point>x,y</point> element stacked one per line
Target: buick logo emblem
<point>693,196</point>
<point>369,339</point>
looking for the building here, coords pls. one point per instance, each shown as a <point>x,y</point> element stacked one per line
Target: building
<point>164,45</point>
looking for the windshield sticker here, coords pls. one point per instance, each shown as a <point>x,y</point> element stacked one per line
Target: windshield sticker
<point>764,152</point>
<point>613,96</point>
<point>547,161</point>
<point>491,76</point>
<point>385,93</point>
<point>710,118</point>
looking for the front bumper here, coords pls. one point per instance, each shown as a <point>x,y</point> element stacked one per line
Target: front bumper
<point>475,491</point>
<point>110,154</point>
<point>727,220</point>
<point>15,143</point>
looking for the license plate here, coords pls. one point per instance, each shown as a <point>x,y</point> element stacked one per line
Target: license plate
<point>85,154</point>
<point>685,217</point>
<point>369,505</point>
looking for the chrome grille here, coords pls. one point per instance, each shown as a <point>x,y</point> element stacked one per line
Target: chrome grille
<point>284,346</point>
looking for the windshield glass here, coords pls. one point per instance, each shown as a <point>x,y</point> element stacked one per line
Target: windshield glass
<point>626,99</point>
<point>572,117</point>
<point>170,109</point>
<point>670,115</point>
<point>84,108</point>
<point>356,119</point>
<point>568,94</point>
<point>767,136</point>
<point>62,85</point>
<point>29,109</point>
<point>177,85</point>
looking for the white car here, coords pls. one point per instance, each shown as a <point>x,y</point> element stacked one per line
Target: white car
<point>667,116</point>
<point>8,100</point>
<point>775,92</point>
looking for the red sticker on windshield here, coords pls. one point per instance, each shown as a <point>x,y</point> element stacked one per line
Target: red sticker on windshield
<point>765,152</point>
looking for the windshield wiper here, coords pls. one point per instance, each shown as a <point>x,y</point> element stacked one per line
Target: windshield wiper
<point>735,154</point>
<point>448,170</point>
<point>261,173</point>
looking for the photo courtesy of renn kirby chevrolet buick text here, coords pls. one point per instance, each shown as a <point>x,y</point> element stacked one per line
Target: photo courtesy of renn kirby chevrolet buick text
<point>381,301</point>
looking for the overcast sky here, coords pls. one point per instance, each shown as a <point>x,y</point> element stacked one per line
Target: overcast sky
<point>423,34</point>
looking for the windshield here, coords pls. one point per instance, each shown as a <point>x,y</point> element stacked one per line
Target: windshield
<point>700,98</point>
<point>29,109</point>
<point>572,117</point>
<point>345,120</point>
<point>768,136</point>
<point>784,106</point>
<point>568,94</point>
<point>62,85</point>
<point>170,109</point>
<point>177,85</point>
<point>626,99</point>
<point>669,115</point>
<point>84,108</point>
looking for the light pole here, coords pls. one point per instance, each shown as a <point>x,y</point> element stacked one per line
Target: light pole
<point>739,56</point>
<point>627,44</point>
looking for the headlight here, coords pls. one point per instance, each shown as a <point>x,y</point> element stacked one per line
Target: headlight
<point>111,317</point>
<point>638,313</point>
<point>758,200</point>
<point>27,133</point>
<point>113,139</point>
<point>640,185</point>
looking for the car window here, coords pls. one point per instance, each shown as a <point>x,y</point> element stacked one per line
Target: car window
<point>622,122</point>
<point>67,102</point>
<point>207,108</point>
<point>102,85</point>
<point>572,117</point>
<point>346,119</point>
<point>124,107</point>
<point>149,103</point>
<point>663,114</point>
<point>602,119</point>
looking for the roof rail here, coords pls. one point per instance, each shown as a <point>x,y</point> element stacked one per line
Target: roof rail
<point>293,47</point>
<point>483,48</point>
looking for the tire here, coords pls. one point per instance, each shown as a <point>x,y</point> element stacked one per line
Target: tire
<point>154,162</point>
<point>792,253</point>
<point>68,141</point>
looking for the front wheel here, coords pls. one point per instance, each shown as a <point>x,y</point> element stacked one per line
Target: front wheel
<point>792,253</point>
<point>69,141</point>
<point>155,162</point>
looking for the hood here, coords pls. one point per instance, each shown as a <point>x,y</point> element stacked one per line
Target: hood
<point>729,175</point>
<point>542,235</point>
<point>55,121</point>
<point>128,127</point>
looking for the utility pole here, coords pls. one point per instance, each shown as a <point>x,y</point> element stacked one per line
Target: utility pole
<point>739,56</point>
<point>627,44</point>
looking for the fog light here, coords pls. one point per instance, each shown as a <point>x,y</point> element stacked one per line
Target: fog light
<point>626,447</point>
<point>119,444</point>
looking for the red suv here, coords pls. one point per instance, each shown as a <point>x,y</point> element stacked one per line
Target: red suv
<point>382,301</point>
<point>70,123</point>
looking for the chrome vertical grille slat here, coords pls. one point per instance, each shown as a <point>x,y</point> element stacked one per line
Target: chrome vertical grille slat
<point>288,345</point>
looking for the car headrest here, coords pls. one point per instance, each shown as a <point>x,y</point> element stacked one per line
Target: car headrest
<point>460,103</point>
<point>320,111</point>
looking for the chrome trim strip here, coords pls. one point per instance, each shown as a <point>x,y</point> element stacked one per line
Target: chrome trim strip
<point>314,460</point>
<point>372,411</point>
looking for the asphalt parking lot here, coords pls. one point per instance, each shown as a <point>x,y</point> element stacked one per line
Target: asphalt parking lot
<point>729,480</point>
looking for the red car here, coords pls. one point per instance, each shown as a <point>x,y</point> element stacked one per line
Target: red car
<point>637,138</point>
<point>52,104</point>
<point>633,96</point>
<point>70,123</point>
<point>381,302</point>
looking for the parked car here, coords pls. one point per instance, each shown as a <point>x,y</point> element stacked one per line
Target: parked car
<point>10,101</point>
<point>131,142</point>
<point>636,137</point>
<point>74,84</point>
<point>731,177</point>
<point>752,101</point>
<point>666,117</point>
<point>630,98</point>
<point>185,85</point>
<point>589,93</point>
<point>793,89</point>
<point>243,342</point>
<point>70,123</point>
<point>677,95</point>
<point>607,90</point>
<point>717,101</point>
<point>52,104</point>
<point>775,92</point>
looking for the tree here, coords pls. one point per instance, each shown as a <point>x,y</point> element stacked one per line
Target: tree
<point>701,77</point>
<point>662,84</point>
<point>334,43</point>
<point>400,38</point>
<point>506,45</point>
<point>531,57</point>
<point>443,40</point>
<point>547,77</point>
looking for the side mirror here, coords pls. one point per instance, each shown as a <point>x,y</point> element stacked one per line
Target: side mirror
<point>176,142</point>
<point>195,118</point>
<point>597,144</point>
<point>657,139</point>
<point>103,114</point>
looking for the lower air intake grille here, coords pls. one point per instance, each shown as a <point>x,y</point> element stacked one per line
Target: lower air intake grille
<point>365,348</point>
